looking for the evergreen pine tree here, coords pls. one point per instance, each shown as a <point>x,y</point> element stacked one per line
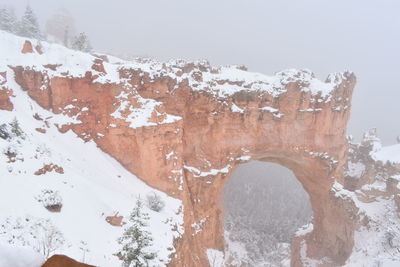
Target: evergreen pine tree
<point>16,129</point>
<point>82,43</point>
<point>29,26</point>
<point>8,20</point>
<point>136,240</point>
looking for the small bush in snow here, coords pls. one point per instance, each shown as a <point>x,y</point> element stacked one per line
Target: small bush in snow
<point>5,132</point>
<point>51,200</point>
<point>11,152</point>
<point>51,241</point>
<point>83,246</point>
<point>154,202</point>
<point>136,241</point>
<point>39,234</point>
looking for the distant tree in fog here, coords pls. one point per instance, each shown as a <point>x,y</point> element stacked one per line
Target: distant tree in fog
<point>81,42</point>
<point>28,26</point>
<point>61,27</point>
<point>8,21</point>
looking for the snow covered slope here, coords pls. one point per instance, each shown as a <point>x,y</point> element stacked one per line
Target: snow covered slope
<point>376,169</point>
<point>91,185</point>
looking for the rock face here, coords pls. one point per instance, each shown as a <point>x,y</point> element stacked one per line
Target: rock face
<point>183,128</point>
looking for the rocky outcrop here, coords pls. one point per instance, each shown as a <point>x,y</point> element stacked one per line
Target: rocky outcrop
<point>49,168</point>
<point>183,128</point>
<point>27,48</point>
<point>63,261</point>
<point>5,93</point>
<point>115,220</point>
<point>363,168</point>
<point>5,102</point>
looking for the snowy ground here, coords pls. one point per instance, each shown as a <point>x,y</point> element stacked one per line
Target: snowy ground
<point>377,243</point>
<point>92,187</point>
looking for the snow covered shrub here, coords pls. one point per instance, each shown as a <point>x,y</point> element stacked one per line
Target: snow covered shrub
<point>136,240</point>
<point>11,152</point>
<point>5,132</point>
<point>37,233</point>
<point>51,200</point>
<point>51,241</point>
<point>83,246</point>
<point>154,202</point>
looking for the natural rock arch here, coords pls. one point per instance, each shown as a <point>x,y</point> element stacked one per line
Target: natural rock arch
<point>200,130</point>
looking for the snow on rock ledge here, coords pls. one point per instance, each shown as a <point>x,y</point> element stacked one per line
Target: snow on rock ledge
<point>59,61</point>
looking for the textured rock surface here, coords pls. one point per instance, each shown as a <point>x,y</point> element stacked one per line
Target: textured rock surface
<point>184,127</point>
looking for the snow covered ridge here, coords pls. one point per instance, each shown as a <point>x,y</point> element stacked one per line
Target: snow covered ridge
<point>134,110</point>
<point>39,169</point>
<point>372,178</point>
<point>220,82</point>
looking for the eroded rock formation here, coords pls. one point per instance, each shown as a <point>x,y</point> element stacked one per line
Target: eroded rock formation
<point>184,127</point>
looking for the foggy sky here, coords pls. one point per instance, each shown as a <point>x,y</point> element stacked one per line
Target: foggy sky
<point>267,36</point>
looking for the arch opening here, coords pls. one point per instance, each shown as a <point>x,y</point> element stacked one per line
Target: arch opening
<point>264,205</point>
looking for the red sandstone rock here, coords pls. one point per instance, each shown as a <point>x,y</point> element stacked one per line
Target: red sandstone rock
<point>115,220</point>
<point>41,130</point>
<point>52,66</point>
<point>5,102</point>
<point>98,65</point>
<point>5,93</point>
<point>49,168</point>
<point>27,48</point>
<point>63,261</point>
